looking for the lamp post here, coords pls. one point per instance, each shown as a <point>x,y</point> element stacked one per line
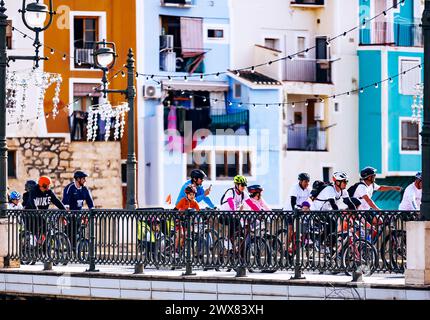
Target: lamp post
<point>104,59</point>
<point>34,17</point>
<point>425,133</point>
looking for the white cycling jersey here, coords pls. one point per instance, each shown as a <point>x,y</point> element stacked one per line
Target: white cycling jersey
<point>411,198</point>
<point>232,200</point>
<point>321,203</point>
<point>299,193</point>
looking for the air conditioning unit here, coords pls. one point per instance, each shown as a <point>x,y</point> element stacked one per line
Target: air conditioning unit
<point>319,111</point>
<point>166,42</point>
<point>151,91</point>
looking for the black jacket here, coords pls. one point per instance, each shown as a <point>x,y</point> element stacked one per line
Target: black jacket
<point>39,199</point>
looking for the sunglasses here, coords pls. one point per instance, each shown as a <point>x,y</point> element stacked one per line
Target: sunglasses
<point>243,184</point>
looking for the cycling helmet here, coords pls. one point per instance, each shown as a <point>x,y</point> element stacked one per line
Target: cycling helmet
<point>418,176</point>
<point>79,174</point>
<point>255,189</point>
<point>44,181</point>
<point>15,195</point>
<point>30,184</point>
<point>240,180</point>
<point>304,176</point>
<point>367,172</point>
<point>306,204</point>
<point>197,173</point>
<point>340,176</point>
<point>190,189</point>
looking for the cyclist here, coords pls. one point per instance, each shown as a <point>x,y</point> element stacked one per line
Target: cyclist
<point>147,235</point>
<point>299,192</point>
<point>41,197</point>
<point>14,201</point>
<point>255,202</point>
<point>188,202</point>
<point>365,188</point>
<point>29,185</point>
<point>197,178</point>
<point>330,196</point>
<point>74,196</point>
<point>234,198</point>
<point>412,196</point>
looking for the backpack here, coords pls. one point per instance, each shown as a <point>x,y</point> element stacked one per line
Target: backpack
<point>317,187</point>
<point>351,189</point>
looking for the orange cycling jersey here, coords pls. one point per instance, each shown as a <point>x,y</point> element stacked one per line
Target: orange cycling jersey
<point>185,204</point>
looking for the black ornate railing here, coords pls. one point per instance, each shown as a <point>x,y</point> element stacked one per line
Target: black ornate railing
<point>335,241</point>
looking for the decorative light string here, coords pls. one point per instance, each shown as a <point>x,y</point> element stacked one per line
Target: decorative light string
<point>291,56</point>
<point>348,93</point>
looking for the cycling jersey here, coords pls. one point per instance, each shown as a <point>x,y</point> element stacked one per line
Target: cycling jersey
<point>362,190</point>
<point>74,197</point>
<point>300,194</point>
<point>200,195</point>
<point>232,200</point>
<point>322,202</point>
<point>13,206</point>
<point>185,204</point>
<point>251,204</point>
<point>411,198</point>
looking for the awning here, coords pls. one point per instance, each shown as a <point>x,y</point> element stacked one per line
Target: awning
<point>211,86</point>
<point>390,200</point>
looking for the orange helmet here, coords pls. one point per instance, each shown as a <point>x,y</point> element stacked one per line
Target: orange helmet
<point>44,181</point>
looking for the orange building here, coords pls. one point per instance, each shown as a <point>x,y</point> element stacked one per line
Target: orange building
<point>76,27</point>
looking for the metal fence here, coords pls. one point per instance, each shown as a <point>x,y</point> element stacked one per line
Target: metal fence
<point>335,241</point>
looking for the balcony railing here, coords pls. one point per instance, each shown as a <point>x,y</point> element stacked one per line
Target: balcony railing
<point>306,138</point>
<point>173,61</point>
<point>387,33</point>
<point>78,127</point>
<point>308,70</point>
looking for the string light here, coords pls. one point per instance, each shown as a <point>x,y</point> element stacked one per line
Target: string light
<point>52,51</point>
<point>376,85</point>
<point>64,57</point>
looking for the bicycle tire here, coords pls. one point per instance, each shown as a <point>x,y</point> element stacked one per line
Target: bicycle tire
<point>59,248</point>
<point>82,251</point>
<point>371,262</point>
<point>397,242</point>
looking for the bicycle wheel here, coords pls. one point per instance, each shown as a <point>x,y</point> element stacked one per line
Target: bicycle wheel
<point>27,249</point>
<point>394,251</point>
<point>258,255</point>
<point>361,256</point>
<point>59,248</point>
<point>82,251</point>
<point>220,256</point>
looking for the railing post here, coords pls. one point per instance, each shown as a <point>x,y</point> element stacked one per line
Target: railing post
<point>188,268</point>
<point>297,264</point>
<point>92,243</point>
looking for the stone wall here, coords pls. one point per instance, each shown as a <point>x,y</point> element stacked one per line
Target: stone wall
<point>58,159</point>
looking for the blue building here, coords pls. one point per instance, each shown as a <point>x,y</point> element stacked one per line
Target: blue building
<point>389,139</point>
<point>187,120</point>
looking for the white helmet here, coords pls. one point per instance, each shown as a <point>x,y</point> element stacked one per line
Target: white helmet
<point>340,175</point>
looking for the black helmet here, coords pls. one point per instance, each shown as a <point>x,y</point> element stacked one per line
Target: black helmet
<point>79,174</point>
<point>304,176</point>
<point>367,172</point>
<point>419,176</point>
<point>29,185</point>
<point>197,173</point>
<point>255,189</point>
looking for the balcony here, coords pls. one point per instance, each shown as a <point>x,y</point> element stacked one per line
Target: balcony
<point>307,70</point>
<point>177,3</point>
<point>384,33</point>
<point>303,138</point>
<point>78,127</point>
<point>308,3</point>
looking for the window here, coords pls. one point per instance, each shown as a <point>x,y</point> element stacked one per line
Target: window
<point>237,90</point>
<point>9,34</point>
<point>410,79</point>
<point>85,36</point>
<point>246,165</point>
<point>336,107</point>
<point>271,43</point>
<point>199,160</point>
<point>327,173</point>
<point>215,33</point>
<point>227,164</point>
<point>298,118</point>
<point>11,164</point>
<point>124,172</point>
<point>301,47</point>
<point>410,136</point>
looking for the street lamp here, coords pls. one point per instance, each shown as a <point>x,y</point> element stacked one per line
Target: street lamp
<point>105,55</point>
<point>34,16</point>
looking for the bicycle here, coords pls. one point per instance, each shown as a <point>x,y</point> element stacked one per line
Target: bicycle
<point>55,244</point>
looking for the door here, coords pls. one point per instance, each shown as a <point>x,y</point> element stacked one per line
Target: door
<point>322,74</point>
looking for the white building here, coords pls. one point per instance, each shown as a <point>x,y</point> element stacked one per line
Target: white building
<point>320,135</point>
